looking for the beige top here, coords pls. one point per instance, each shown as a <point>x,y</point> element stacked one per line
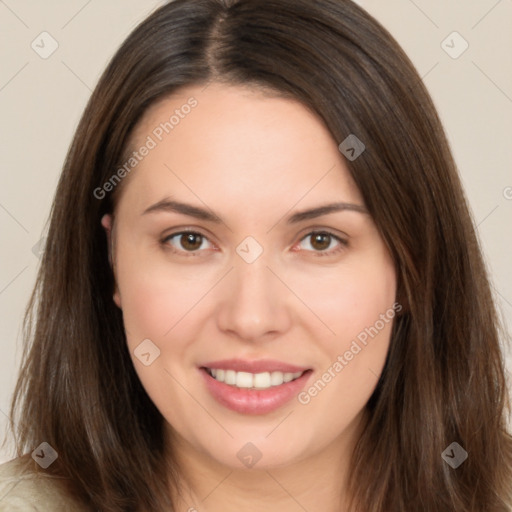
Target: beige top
<point>23,489</point>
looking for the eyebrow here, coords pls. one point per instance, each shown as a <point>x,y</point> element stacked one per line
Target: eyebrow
<point>168,205</point>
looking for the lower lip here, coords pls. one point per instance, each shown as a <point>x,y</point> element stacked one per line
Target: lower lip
<point>254,401</point>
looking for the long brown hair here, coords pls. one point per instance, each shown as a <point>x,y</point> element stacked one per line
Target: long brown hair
<point>444,378</point>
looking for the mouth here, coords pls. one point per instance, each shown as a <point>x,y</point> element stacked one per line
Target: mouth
<point>245,387</point>
<point>247,380</point>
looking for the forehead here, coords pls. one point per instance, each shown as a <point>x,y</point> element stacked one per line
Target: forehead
<point>229,142</point>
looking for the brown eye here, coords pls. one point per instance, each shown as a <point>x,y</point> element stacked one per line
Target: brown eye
<point>191,241</point>
<point>323,243</point>
<point>186,241</point>
<point>320,241</point>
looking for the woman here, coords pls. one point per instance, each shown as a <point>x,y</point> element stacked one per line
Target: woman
<point>262,289</point>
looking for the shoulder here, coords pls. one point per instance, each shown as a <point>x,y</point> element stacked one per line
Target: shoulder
<point>25,488</point>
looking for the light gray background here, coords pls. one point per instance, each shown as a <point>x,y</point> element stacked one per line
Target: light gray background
<point>41,101</point>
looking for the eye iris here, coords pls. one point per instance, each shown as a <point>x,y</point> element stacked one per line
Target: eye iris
<point>191,241</point>
<point>321,241</point>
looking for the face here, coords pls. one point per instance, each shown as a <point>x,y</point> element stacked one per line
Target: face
<point>253,314</point>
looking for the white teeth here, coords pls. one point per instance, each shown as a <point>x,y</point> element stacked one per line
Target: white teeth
<point>276,378</point>
<point>247,380</point>
<point>244,380</point>
<point>261,380</point>
<point>230,377</point>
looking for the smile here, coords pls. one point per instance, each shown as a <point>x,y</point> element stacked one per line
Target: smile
<point>248,380</point>
<point>253,387</point>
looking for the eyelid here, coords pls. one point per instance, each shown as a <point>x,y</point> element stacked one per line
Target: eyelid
<point>343,241</point>
<point>322,229</point>
<point>181,231</point>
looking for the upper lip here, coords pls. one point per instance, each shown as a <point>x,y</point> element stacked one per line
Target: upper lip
<point>260,366</point>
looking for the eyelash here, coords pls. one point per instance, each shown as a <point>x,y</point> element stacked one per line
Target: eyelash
<point>342,243</point>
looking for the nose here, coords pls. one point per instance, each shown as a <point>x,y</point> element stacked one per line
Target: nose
<point>255,304</point>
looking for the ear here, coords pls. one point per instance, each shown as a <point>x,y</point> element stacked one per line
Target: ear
<point>107,222</point>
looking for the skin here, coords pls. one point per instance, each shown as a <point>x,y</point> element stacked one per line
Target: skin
<point>254,160</point>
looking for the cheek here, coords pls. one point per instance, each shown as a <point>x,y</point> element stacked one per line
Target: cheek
<point>359,306</point>
<point>349,299</point>
<point>161,304</point>
<point>156,296</point>
<point>150,305</point>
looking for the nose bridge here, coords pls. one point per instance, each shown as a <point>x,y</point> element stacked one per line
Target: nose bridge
<point>253,279</point>
<point>255,302</point>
